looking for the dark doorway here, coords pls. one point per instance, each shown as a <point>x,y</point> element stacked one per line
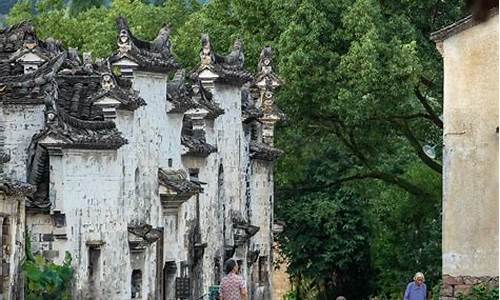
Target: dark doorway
<point>169,274</point>
<point>136,284</point>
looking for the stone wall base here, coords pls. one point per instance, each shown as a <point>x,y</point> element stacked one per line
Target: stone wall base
<point>454,286</point>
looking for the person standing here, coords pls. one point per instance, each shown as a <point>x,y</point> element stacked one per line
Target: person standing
<point>232,286</point>
<point>416,290</point>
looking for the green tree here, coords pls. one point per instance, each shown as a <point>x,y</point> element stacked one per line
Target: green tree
<point>46,280</point>
<point>94,29</point>
<point>77,6</point>
<point>327,242</point>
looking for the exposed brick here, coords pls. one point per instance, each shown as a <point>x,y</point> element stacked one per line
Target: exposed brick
<point>446,290</point>
<point>452,280</point>
<point>462,289</point>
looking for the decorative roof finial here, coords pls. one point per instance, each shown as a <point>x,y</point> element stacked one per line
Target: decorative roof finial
<point>266,78</point>
<point>236,58</point>
<point>266,60</point>
<point>161,44</point>
<point>124,44</point>
<point>207,56</point>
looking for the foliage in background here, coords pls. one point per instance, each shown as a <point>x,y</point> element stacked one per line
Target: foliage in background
<point>406,234</point>
<point>93,29</point>
<point>327,237</point>
<point>46,280</point>
<point>364,100</point>
<point>481,292</point>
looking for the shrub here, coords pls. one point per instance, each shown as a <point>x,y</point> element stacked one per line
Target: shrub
<point>46,280</point>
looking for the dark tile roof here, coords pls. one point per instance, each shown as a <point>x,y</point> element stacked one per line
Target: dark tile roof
<point>20,39</point>
<point>185,95</point>
<point>177,181</point>
<point>461,25</point>
<point>249,110</point>
<point>30,88</point>
<point>197,146</point>
<point>195,142</point>
<point>15,188</point>
<point>229,68</point>
<point>154,56</point>
<point>242,229</point>
<point>263,151</point>
<point>142,235</point>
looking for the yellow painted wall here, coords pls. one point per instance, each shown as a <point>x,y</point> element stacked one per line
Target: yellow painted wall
<point>470,174</point>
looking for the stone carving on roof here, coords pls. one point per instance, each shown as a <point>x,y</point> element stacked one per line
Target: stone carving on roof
<point>22,52</point>
<point>155,56</point>
<point>184,96</point>
<point>267,81</point>
<point>265,84</point>
<point>227,69</point>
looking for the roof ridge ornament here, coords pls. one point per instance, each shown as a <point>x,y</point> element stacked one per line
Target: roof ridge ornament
<point>265,75</point>
<point>236,56</point>
<point>155,56</point>
<point>207,55</point>
<point>214,67</point>
<point>161,44</point>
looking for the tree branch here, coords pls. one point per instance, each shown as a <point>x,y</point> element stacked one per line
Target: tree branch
<point>405,129</point>
<point>391,179</point>
<point>433,116</point>
<point>402,117</point>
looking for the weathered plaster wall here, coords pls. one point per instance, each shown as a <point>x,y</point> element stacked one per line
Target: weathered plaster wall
<point>12,209</point>
<point>101,192</point>
<point>470,177</point>
<point>150,131</point>
<point>229,137</point>
<point>17,125</point>
<point>91,185</point>
<point>261,214</point>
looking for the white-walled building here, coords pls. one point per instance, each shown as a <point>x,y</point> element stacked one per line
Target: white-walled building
<point>150,183</point>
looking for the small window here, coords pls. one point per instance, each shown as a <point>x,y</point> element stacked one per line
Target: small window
<point>136,284</point>
<point>94,270</point>
<point>184,269</point>
<point>217,270</point>
<point>193,174</point>
<point>5,255</point>
<point>169,162</point>
<point>254,133</point>
<point>263,272</point>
